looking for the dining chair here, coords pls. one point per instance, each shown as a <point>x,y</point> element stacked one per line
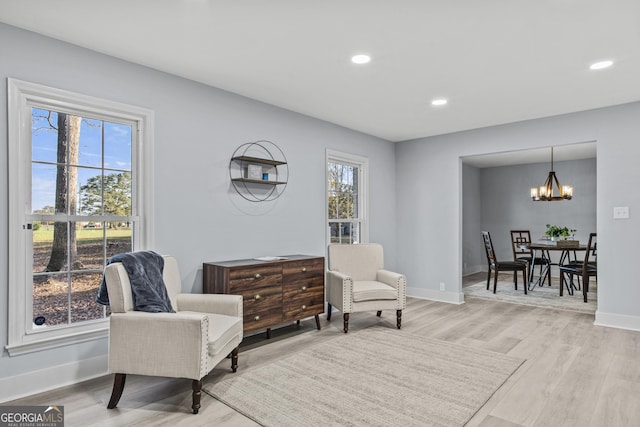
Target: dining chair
<point>584,269</point>
<point>497,266</point>
<point>520,239</point>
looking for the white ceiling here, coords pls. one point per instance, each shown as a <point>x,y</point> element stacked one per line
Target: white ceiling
<point>578,151</point>
<point>497,61</point>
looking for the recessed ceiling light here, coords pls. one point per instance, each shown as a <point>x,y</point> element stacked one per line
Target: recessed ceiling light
<point>439,102</point>
<point>600,65</point>
<point>360,59</point>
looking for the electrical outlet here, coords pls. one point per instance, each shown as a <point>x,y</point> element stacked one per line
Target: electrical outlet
<point>621,212</point>
<point>442,286</point>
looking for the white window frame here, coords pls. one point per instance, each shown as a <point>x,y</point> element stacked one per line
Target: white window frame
<point>22,96</point>
<point>363,181</point>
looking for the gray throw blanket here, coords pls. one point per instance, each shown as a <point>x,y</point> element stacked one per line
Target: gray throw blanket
<point>147,285</point>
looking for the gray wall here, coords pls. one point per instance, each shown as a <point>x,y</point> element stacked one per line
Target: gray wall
<point>506,205</point>
<point>430,219</point>
<point>199,217</point>
<point>473,257</point>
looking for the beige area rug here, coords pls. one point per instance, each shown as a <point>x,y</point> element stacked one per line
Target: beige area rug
<point>541,296</point>
<point>373,377</point>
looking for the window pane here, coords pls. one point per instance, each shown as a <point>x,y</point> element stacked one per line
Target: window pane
<point>43,188</point>
<point>333,205</point>
<point>90,145</point>
<point>44,135</point>
<point>117,146</point>
<point>119,238</point>
<point>117,194</point>
<point>42,243</point>
<point>334,231</point>
<point>84,288</point>
<point>345,206</point>
<point>90,246</point>
<point>50,299</point>
<point>89,192</point>
<point>50,246</point>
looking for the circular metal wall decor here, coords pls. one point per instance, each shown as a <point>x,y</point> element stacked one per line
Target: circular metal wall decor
<point>259,171</point>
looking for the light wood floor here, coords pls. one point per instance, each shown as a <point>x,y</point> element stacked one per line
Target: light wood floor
<point>575,374</point>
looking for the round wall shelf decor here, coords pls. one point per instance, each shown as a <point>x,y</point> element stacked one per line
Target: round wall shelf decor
<point>259,171</point>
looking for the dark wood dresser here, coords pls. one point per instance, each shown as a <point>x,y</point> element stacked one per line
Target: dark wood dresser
<point>274,292</point>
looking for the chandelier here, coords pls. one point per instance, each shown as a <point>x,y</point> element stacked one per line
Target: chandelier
<point>545,192</point>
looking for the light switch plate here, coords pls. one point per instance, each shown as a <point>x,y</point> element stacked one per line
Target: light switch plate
<point>621,212</point>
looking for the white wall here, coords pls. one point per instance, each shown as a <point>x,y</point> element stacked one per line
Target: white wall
<point>199,217</point>
<point>429,183</point>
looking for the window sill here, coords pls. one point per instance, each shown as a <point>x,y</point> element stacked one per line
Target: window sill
<point>58,338</point>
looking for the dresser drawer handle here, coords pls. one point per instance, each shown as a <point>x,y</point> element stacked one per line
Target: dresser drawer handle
<point>304,288</point>
<point>257,296</point>
<point>256,318</point>
<point>304,269</point>
<point>257,276</point>
<point>304,307</point>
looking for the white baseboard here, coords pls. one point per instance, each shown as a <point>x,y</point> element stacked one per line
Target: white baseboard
<point>473,269</point>
<point>433,295</point>
<point>620,321</point>
<point>19,386</point>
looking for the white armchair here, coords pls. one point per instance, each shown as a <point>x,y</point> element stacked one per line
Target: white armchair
<point>189,343</point>
<point>357,281</point>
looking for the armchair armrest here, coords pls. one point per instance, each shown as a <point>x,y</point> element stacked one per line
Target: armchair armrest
<point>390,278</point>
<point>174,344</point>
<point>231,305</point>
<point>398,281</point>
<point>339,290</point>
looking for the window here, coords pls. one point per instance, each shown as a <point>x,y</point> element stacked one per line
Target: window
<point>346,197</point>
<point>82,196</point>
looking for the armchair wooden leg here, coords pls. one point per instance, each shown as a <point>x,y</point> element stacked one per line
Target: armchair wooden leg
<point>234,359</point>
<point>116,393</point>
<point>196,385</point>
<point>379,313</point>
<point>398,318</point>
<point>345,316</point>
<point>329,312</point>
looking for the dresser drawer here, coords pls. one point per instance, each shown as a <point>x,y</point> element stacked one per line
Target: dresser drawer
<point>261,299</point>
<point>308,286</point>
<point>302,307</point>
<point>241,279</point>
<point>261,320</point>
<point>303,269</point>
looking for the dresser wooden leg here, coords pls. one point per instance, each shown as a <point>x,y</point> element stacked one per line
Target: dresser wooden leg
<point>298,323</point>
<point>268,333</point>
<point>317,322</point>
<point>345,316</point>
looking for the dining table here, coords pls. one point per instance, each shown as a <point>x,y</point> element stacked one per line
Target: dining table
<point>544,248</point>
